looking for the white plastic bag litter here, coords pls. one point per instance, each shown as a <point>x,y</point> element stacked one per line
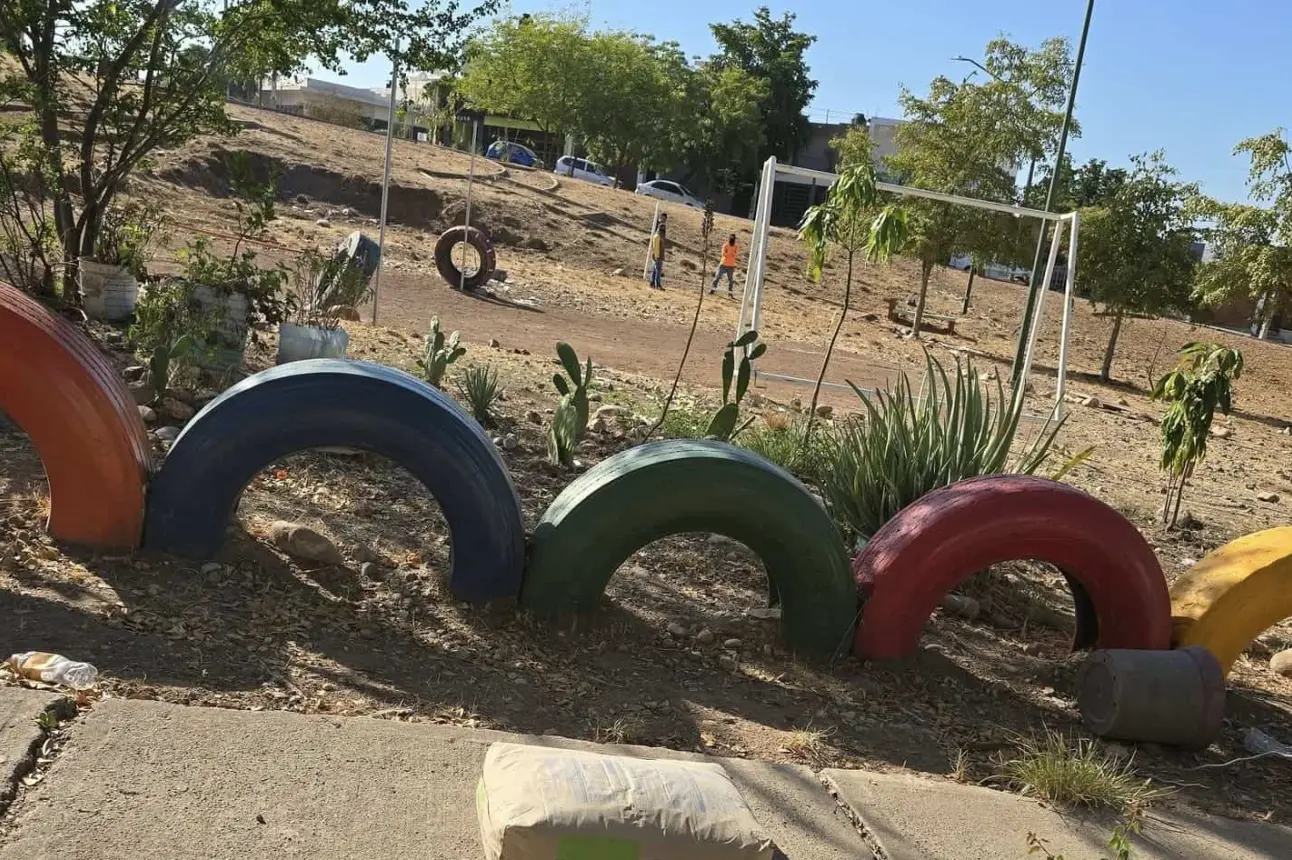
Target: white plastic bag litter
<point>540,803</point>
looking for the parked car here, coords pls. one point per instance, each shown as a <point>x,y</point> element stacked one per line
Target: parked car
<point>662,189</point>
<point>581,168</point>
<point>513,153</point>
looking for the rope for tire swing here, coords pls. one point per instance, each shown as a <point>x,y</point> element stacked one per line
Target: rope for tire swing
<point>471,175</point>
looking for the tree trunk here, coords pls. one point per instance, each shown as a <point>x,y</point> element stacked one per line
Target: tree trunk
<point>1107,369</point>
<point>825,362</point>
<point>964,308</point>
<point>926,269</point>
<point>1266,325</point>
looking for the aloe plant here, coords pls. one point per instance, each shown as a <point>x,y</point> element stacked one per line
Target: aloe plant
<point>910,443</point>
<point>440,353</point>
<point>723,424</point>
<point>570,421</point>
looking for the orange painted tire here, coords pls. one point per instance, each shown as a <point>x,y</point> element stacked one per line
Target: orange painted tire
<point>80,417</point>
<point>950,534</point>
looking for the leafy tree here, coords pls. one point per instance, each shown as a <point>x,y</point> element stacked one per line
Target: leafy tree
<point>968,138</point>
<point>852,217</point>
<point>1088,185</point>
<point>1202,383</point>
<point>1252,244</point>
<point>535,67</point>
<point>1134,253</point>
<point>771,50</point>
<point>720,125</point>
<point>107,83</point>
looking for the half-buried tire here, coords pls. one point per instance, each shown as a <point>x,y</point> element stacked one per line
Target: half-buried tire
<point>950,534</point>
<point>479,242</point>
<point>325,403</point>
<point>81,419</point>
<point>666,488</point>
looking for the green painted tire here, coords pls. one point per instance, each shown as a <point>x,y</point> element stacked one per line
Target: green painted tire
<point>666,488</point>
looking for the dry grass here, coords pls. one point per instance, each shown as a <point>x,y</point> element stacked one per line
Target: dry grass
<point>811,745</point>
<point>625,730</point>
<point>1075,772</point>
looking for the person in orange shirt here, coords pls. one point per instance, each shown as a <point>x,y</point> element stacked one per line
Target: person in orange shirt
<point>727,266</point>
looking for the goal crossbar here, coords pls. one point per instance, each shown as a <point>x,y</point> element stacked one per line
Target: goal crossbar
<point>751,303</point>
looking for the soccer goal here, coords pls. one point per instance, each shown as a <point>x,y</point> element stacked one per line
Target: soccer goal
<point>1066,223</point>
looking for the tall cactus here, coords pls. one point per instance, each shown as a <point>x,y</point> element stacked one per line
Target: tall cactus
<point>570,421</point>
<point>723,424</point>
<point>440,353</point>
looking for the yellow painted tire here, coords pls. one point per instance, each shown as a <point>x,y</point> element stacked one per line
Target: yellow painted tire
<point>1234,594</point>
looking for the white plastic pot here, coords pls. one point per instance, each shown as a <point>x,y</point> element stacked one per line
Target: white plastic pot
<point>108,292</point>
<point>230,335</point>
<point>299,342</point>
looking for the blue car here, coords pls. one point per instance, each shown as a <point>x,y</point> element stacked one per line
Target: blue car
<point>513,153</point>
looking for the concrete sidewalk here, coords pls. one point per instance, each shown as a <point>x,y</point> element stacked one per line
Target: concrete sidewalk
<point>145,779</point>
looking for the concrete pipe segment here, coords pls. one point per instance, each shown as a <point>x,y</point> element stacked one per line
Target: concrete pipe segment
<point>665,488</point>
<point>81,419</point>
<point>947,536</point>
<point>328,402</point>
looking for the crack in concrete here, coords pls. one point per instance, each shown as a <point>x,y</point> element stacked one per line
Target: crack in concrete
<point>868,838</point>
<point>40,756</point>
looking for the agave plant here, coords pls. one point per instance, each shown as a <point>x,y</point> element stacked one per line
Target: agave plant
<point>910,443</point>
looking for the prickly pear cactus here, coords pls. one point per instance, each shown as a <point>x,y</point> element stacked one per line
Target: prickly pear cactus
<point>576,387</point>
<point>440,353</point>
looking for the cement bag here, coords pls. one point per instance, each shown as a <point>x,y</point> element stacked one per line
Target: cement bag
<point>539,803</point>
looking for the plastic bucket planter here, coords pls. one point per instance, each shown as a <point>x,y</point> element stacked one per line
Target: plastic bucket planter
<point>230,333</point>
<point>108,292</point>
<point>298,342</point>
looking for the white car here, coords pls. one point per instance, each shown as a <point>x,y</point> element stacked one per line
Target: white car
<point>673,192</point>
<point>581,168</point>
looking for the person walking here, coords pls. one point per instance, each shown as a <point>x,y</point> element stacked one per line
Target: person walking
<point>727,266</point>
<point>658,248</point>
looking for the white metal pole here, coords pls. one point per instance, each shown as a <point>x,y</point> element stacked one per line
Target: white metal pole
<point>654,226</point>
<point>763,236</point>
<point>1039,313</point>
<point>471,175</point>
<point>1068,296</point>
<point>385,187</point>
<point>755,246</point>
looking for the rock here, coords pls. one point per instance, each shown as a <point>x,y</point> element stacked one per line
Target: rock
<point>1268,497</point>
<point>1221,432</point>
<point>825,411</point>
<point>135,373</point>
<point>1122,401</point>
<point>705,637</point>
<point>595,397</point>
<point>870,317</point>
<point>323,222</point>
<point>370,570</point>
<point>147,414</point>
<point>497,440</point>
<point>365,554</point>
<point>677,631</point>
<point>618,273</point>
<point>509,442</point>
<point>1281,664</point>
<point>211,567</point>
<point>533,417</point>
<point>609,412</point>
<point>494,343</point>
<point>1002,621</point>
<point>167,434</point>
<point>732,643</point>
<point>958,604</point>
<point>302,199</point>
<point>796,403</point>
<point>597,426</point>
<point>143,393</point>
<point>304,542</point>
<point>177,409</point>
<point>1093,402</point>
<point>764,613</point>
<point>1032,649</point>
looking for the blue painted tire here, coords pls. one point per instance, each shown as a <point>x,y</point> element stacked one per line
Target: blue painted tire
<point>330,402</point>
<point>664,488</point>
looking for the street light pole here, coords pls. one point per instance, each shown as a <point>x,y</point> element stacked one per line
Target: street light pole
<point>1034,287</point>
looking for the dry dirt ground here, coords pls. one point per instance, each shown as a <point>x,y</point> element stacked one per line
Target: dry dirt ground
<point>260,630</point>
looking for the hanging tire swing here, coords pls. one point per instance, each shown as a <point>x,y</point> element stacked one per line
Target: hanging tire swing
<point>449,271</point>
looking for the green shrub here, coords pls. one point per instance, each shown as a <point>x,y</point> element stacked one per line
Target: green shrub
<point>478,386</point>
<point>910,443</point>
<point>170,331</point>
<point>780,441</point>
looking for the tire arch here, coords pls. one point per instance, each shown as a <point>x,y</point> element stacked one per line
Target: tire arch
<point>1234,594</point>
<point>61,390</point>
<point>664,488</point>
<point>330,402</point>
<point>948,535</point>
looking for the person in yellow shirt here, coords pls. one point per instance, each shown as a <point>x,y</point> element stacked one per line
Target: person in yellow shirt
<point>658,248</point>
<point>727,266</point>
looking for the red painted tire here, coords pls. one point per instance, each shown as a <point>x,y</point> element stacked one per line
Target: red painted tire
<point>81,419</point>
<point>950,534</point>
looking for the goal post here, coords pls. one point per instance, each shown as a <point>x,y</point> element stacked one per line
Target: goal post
<point>1064,224</point>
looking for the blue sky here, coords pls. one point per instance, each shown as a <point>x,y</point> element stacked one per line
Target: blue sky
<point>1185,76</point>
